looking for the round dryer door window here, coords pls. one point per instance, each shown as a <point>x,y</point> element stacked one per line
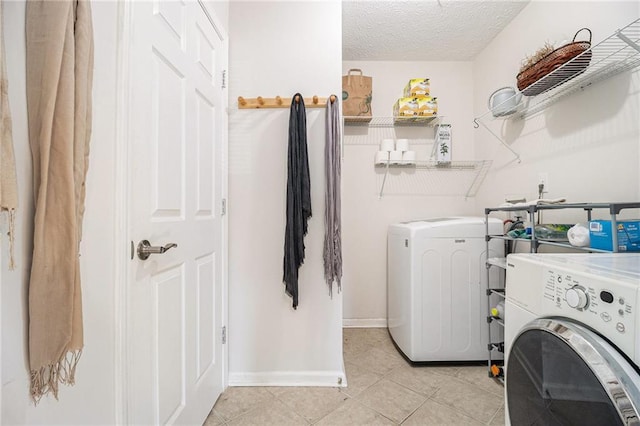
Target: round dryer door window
<point>560,373</point>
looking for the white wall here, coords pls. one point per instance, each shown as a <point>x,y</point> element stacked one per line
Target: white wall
<point>92,399</point>
<point>587,143</point>
<point>366,217</point>
<point>279,48</point>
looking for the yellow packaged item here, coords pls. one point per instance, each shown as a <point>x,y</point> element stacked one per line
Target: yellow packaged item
<point>406,107</point>
<point>416,108</point>
<point>417,87</point>
<point>427,106</point>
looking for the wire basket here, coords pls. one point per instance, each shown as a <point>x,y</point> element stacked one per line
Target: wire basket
<point>538,78</point>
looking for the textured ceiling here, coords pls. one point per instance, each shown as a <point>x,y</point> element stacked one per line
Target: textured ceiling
<point>427,30</point>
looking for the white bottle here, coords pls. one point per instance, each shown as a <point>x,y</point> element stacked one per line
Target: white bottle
<point>498,310</point>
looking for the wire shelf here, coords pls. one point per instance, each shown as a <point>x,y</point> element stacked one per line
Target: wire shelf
<point>432,178</point>
<point>500,262</point>
<point>615,54</point>
<point>392,121</point>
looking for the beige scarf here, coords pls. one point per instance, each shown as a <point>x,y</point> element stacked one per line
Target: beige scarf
<point>59,81</point>
<point>8,185</point>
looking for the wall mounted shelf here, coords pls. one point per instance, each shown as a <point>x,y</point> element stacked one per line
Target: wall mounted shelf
<point>432,178</point>
<point>392,121</point>
<point>615,54</point>
<point>422,177</point>
<point>370,130</point>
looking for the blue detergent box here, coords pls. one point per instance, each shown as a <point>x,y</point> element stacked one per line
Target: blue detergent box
<point>628,235</point>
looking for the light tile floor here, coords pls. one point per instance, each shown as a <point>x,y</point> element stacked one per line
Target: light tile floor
<point>383,389</point>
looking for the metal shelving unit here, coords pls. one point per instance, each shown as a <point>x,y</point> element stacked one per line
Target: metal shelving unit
<point>615,54</point>
<point>614,210</point>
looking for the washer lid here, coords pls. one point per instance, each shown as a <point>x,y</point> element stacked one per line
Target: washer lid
<point>451,227</point>
<point>560,373</point>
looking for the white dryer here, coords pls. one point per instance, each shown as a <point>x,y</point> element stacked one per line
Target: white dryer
<point>572,342</point>
<point>436,287</point>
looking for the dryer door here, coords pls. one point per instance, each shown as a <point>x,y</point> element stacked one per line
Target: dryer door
<point>560,373</point>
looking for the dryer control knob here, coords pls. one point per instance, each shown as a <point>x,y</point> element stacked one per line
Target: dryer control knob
<point>576,298</point>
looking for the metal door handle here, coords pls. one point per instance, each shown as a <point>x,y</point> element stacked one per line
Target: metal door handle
<point>145,249</point>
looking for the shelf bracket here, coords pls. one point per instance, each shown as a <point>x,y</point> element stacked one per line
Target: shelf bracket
<point>384,180</point>
<point>627,40</point>
<point>476,125</point>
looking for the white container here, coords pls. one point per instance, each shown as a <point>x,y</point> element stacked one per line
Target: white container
<point>402,145</point>
<point>436,284</point>
<point>498,310</point>
<point>443,143</point>
<point>409,157</point>
<point>382,157</point>
<point>395,157</point>
<point>387,145</point>
<point>504,101</point>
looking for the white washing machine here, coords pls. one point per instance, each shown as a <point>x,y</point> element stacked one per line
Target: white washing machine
<point>572,342</point>
<point>436,287</point>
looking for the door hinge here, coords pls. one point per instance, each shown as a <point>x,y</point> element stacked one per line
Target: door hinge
<point>224,334</point>
<point>224,79</point>
<point>224,206</point>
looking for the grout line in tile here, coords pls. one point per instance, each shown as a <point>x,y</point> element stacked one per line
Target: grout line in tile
<point>496,393</point>
<point>376,411</point>
<point>464,413</point>
<point>495,414</point>
<point>309,422</point>
<point>261,405</point>
<point>318,420</point>
<point>411,414</point>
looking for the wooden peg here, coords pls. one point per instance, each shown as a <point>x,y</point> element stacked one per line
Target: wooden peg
<point>298,99</point>
<point>241,101</point>
<point>315,100</point>
<point>278,100</point>
<point>260,100</point>
<point>333,98</point>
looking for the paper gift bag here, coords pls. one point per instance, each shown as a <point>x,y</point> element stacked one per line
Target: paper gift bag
<point>356,94</point>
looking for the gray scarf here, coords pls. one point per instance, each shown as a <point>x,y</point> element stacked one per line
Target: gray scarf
<point>332,224</point>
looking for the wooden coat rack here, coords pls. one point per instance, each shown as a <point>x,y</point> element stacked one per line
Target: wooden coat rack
<point>278,102</point>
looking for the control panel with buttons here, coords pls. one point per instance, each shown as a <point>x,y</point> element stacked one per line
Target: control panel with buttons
<point>609,308</point>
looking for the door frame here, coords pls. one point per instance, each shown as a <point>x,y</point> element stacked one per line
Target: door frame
<point>124,246</point>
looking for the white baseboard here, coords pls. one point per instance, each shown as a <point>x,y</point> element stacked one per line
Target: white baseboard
<point>289,378</point>
<point>364,323</point>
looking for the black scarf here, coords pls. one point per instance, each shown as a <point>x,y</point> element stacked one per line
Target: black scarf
<point>298,197</point>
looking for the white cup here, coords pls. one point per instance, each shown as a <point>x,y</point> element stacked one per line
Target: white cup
<point>382,157</point>
<point>409,157</point>
<point>395,157</point>
<point>387,145</point>
<point>402,145</point>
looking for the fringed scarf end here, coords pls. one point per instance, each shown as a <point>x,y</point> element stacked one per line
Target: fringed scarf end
<point>47,379</point>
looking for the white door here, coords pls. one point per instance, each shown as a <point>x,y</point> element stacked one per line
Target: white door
<point>177,120</point>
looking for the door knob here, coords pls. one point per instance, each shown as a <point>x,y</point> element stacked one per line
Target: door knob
<point>145,249</point>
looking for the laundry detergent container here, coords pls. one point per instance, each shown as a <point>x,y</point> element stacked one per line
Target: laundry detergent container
<point>436,287</point>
